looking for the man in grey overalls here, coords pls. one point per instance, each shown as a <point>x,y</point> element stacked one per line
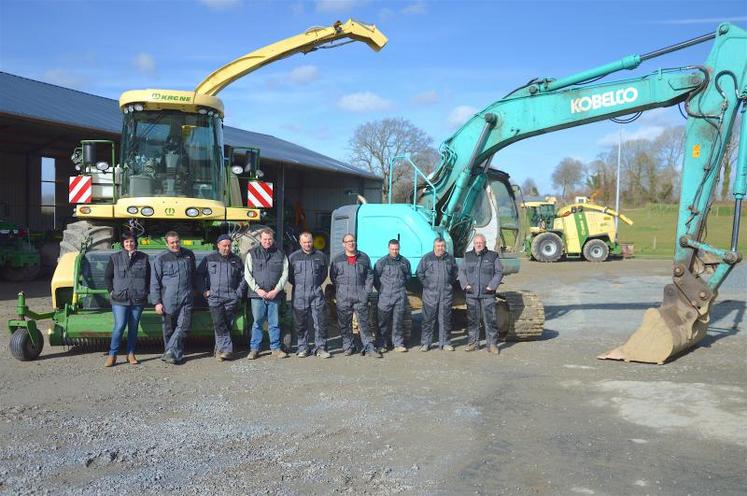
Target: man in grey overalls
<point>307,270</point>
<point>351,274</point>
<point>221,281</point>
<point>437,271</point>
<point>172,286</point>
<point>390,277</point>
<point>480,274</point>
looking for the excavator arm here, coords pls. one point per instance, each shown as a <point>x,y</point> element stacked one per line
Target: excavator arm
<point>312,39</point>
<point>712,95</point>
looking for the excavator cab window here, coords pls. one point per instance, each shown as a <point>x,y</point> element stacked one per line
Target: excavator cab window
<point>172,154</point>
<point>508,214</point>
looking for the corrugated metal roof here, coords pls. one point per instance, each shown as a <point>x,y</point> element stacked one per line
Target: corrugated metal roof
<point>25,97</point>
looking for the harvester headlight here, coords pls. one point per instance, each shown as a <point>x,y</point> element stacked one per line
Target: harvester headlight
<point>207,211</point>
<point>124,110</point>
<point>237,169</point>
<point>202,111</point>
<point>146,211</point>
<point>102,166</point>
<point>260,174</point>
<point>192,212</point>
<point>85,210</point>
<point>132,210</point>
<point>139,107</point>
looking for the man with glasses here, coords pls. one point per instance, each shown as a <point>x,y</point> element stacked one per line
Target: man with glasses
<point>350,272</point>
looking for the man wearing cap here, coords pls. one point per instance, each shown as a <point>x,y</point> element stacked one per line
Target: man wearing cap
<point>127,279</point>
<point>480,274</point>
<point>220,279</point>
<point>307,270</point>
<point>266,272</point>
<point>172,286</point>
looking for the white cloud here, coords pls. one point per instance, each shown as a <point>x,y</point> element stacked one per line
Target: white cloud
<point>220,4</point>
<point>460,115</point>
<point>642,132</point>
<point>297,8</point>
<point>304,74</point>
<point>414,8</point>
<point>144,62</point>
<point>338,5</point>
<point>703,20</point>
<point>385,14</point>
<point>364,102</point>
<point>426,97</point>
<point>63,77</point>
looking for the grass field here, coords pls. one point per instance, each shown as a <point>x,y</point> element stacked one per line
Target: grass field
<point>654,226</point>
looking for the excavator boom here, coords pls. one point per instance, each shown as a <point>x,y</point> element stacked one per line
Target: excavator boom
<point>311,39</point>
<point>712,94</point>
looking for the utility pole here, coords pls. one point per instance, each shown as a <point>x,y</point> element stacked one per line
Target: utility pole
<point>617,185</point>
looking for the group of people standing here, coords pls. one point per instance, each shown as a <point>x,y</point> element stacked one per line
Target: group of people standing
<point>225,281</point>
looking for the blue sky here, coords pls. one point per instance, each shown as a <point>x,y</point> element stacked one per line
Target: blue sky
<point>444,60</point>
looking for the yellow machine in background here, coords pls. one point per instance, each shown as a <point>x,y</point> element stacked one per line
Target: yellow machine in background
<point>580,229</point>
<point>173,174</point>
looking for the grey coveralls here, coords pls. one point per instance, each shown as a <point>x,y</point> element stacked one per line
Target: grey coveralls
<point>307,272</point>
<point>481,271</point>
<point>172,284</point>
<point>390,278</point>
<point>437,275</point>
<point>353,284</point>
<point>224,278</point>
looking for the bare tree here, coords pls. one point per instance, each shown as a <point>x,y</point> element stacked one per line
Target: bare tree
<point>669,147</point>
<point>568,175</point>
<point>374,144</point>
<point>529,187</point>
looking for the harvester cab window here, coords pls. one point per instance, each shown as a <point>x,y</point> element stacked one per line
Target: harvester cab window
<point>171,154</point>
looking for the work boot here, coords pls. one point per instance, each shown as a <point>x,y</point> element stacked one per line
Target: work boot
<point>168,357</point>
<point>448,347</point>
<point>349,352</point>
<point>279,354</point>
<point>425,348</point>
<point>224,355</point>
<point>400,349</point>
<point>383,349</point>
<point>472,347</point>
<point>374,354</point>
<point>494,349</point>
<point>131,359</point>
<point>252,355</point>
<point>111,360</point>
<point>323,354</point>
<point>302,354</point>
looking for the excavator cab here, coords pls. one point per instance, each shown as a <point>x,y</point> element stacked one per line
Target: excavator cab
<point>496,215</point>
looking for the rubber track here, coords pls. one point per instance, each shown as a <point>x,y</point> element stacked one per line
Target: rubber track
<point>527,315</point>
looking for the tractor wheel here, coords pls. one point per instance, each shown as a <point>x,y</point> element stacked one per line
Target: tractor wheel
<point>21,346</point>
<point>76,234</point>
<point>596,250</point>
<point>547,247</point>
<point>20,274</point>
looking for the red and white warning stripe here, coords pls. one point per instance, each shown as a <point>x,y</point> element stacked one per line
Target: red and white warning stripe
<point>80,189</point>
<point>259,194</point>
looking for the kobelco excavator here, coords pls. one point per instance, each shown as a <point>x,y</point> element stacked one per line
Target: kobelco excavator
<point>448,202</point>
<point>172,176</point>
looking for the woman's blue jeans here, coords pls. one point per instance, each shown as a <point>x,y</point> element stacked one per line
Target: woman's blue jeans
<point>125,316</point>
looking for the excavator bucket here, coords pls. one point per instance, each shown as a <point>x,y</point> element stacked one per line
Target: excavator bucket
<point>665,332</point>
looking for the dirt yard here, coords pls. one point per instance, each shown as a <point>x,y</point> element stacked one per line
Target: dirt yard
<point>543,418</point>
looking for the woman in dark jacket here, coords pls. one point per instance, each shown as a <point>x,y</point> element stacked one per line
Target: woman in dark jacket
<point>128,280</point>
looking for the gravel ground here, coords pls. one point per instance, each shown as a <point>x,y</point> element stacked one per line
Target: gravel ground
<point>543,418</point>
